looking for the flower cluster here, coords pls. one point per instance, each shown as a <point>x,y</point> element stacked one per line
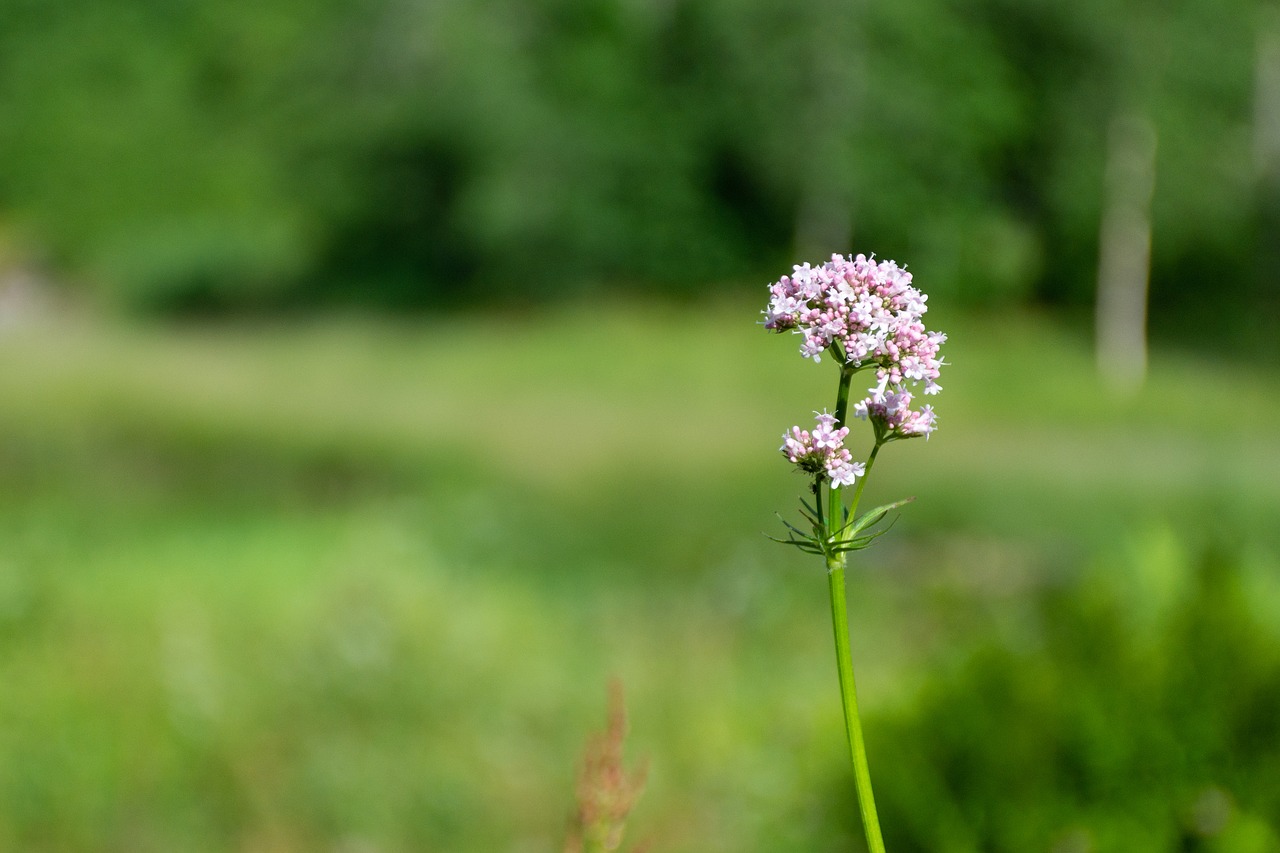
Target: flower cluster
<point>868,315</point>
<point>894,416</point>
<point>822,450</point>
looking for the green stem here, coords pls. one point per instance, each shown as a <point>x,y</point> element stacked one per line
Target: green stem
<point>862,481</point>
<point>835,524</point>
<point>835,518</point>
<point>849,697</point>
<point>842,395</point>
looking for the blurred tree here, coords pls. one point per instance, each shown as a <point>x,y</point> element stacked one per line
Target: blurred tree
<point>128,148</point>
<point>1124,253</point>
<point>1266,148</point>
<point>411,153</point>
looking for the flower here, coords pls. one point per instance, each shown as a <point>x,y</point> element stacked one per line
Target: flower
<point>895,418</point>
<point>868,315</point>
<point>822,451</point>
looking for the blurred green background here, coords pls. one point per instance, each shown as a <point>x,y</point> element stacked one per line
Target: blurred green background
<point>380,378</point>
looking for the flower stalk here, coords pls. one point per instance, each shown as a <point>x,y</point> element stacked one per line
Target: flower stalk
<point>863,315</point>
<point>844,665</point>
<point>849,700</point>
<point>840,624</point>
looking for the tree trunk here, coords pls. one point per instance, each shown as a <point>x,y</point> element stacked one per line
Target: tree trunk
<point>1124,253</point>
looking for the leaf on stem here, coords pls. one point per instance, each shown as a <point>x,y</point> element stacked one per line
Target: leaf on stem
<point>873,517</point>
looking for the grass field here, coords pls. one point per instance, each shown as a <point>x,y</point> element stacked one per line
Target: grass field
<point>360,585</point>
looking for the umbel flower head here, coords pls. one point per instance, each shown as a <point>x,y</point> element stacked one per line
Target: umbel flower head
<point>822,450</point>
<point>894,417</point>
<point>866,315</point>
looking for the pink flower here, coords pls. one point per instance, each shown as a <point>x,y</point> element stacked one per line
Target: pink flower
<point>894,417</point>
<point>869,315</point>
<point>822,450</point>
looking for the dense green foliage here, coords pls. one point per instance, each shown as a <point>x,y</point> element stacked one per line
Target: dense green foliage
<point>410,153</point>
<point>1106,721</point>
<point>309,588</point>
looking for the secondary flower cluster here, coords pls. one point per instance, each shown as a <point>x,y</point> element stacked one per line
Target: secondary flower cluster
<point>895,416</point>
<point>822,450</point>
<point>868,315</point>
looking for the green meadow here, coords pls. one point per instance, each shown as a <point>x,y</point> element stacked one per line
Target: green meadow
<point>360,585</point>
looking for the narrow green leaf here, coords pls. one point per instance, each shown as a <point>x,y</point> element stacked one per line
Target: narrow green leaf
<point>797,531</point>
<point>872,517</point>
<point>807,547</point>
